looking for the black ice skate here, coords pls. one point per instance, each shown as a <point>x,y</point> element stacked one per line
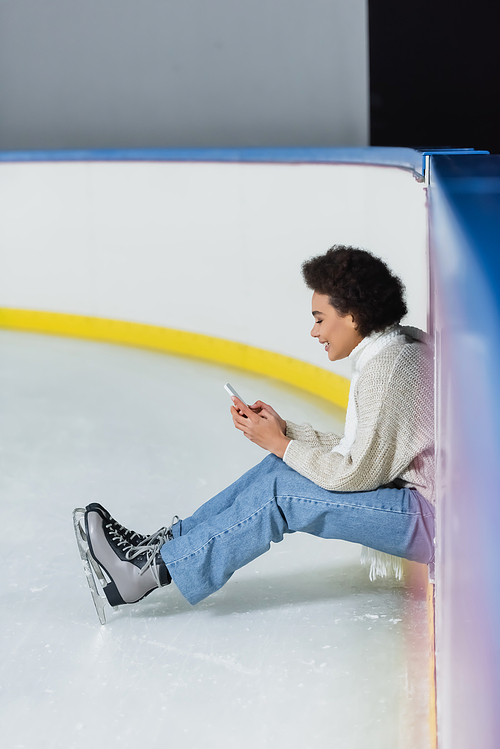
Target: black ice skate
<point>117,571</point>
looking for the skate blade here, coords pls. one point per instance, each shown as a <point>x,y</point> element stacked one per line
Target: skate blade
<point>93,572</point>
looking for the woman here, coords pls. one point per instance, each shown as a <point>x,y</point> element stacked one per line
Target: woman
<point>373,485</point>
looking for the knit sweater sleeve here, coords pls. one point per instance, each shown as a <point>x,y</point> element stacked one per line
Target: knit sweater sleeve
<point>307,435</point>
<point>391,390</point>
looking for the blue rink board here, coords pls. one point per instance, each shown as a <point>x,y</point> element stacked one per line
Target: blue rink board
<point>406,158</point>
<point>465,251</point>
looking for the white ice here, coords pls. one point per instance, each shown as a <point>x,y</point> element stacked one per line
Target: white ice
<point>298,650</point>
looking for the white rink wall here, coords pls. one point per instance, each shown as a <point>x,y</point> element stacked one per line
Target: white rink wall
<point>212,248</point>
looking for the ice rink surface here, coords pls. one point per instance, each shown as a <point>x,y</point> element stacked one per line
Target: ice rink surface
<point>298,650</point>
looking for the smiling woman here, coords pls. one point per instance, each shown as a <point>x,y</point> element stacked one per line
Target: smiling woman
<point>337,333</point>
<point>374,485</point>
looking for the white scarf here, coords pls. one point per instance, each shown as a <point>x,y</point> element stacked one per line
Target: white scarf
<point>360,356</point>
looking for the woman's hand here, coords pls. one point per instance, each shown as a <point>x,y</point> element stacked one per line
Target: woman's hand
<point>259,406</point>
<point>261,424</point>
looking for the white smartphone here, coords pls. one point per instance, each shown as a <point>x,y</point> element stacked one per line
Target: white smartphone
<point>230,389</point>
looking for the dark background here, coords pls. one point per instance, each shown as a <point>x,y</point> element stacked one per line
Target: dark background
<point>434,73</point>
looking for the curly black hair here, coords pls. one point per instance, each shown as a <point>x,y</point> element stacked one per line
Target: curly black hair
<point>357,283</point>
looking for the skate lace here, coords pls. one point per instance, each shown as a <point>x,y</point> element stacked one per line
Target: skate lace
<point>164,534</point>
<point>150,547</point>
<point>150,550</point>
<point>124,532</point>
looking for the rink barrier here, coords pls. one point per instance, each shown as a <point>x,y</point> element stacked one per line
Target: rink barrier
<point>320,382</point>
<point>431,619</point>
<point>464,212</point>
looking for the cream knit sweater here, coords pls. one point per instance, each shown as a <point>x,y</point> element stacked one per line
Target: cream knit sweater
<point>389,435</point>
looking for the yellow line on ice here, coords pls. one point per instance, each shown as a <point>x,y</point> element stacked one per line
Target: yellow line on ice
<point>328,385</point>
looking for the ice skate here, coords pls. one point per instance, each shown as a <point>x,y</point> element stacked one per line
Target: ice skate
<point>117,571</point>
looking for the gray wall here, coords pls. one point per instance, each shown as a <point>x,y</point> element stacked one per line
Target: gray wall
<point>182,73</point>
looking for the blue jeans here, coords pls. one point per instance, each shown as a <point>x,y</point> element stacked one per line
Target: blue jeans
<point>271,499</point>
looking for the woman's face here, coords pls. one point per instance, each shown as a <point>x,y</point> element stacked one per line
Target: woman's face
<point>338,334</point>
